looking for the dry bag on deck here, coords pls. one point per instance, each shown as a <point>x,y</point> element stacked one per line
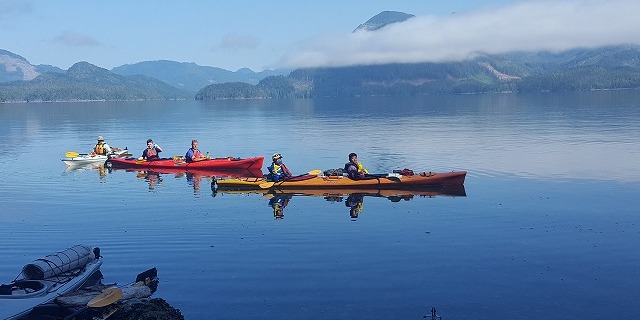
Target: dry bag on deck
<point>75,257</point>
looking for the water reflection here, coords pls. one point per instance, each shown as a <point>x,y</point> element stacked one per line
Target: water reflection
<point>194,178</point>
<point>353,198</point>
<point>99,167</point>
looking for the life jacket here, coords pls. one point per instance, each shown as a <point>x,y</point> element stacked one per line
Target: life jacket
<point>196,154</point>
<point>360,170</point>
<point>275,169</point>
<point>151,153</point>
<point>99,149</point>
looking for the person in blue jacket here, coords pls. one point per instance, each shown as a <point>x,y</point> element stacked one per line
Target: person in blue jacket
<point>277,170</point>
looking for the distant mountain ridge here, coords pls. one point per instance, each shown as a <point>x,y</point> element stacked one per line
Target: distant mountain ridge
<point>191,77</point>
<point>84,81</point>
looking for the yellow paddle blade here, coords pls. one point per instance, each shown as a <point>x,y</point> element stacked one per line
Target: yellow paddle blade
<point>315,172</point>
<point>71,154</point>
<point>107,297</point>
<point>266,185</point>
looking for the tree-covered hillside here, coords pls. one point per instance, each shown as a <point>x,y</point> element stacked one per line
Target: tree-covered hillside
<point>573,70</point>
<point>84,81</point>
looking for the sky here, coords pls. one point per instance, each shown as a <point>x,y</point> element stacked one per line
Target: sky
<point>290,34</point>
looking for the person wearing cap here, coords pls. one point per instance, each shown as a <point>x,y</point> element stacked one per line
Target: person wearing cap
<point>194,154</point>
<point>151,152</point>
<point>354,168</point>
<point>277,170</point>
<point>102,148</point>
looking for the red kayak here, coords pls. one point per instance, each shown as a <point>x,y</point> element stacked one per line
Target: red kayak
<point>229,163</point>
<point>207,173</point>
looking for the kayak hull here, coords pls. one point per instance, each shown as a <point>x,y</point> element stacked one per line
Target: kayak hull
<point>18,302</point>
<point>230,163</point>
<point>340,182</point>
<point>88,159</point>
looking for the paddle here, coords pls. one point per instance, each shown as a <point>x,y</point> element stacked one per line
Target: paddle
<point>71,154</point>
<point>269,184</point>
<point>107,297</point>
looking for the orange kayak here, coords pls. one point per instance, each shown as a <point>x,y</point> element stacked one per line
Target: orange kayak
<point>340,182</point>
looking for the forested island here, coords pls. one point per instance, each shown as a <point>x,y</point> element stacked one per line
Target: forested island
<point>606,68</point>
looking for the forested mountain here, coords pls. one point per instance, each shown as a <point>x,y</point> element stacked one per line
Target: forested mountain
<point>603,68</point>
<point>84,81</point>
<point>18,68</point>
<point>190,76</point>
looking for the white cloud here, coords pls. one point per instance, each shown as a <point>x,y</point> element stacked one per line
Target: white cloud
<point>74,39</point>
<point>526,26</point>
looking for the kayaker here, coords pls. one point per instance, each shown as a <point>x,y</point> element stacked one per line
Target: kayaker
<point>277,169</point>
<point>354,168</point>
<point>102,148</point>
<point>194,154</point>
<point>151,152</point>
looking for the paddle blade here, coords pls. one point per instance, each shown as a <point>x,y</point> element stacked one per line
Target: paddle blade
<point>71,154</point>
<point>107,297</point>
<point>266,185</point>
<point>315,172</point>
<point>141,161</point>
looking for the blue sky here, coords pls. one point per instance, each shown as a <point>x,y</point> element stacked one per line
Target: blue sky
<point>269,34</point>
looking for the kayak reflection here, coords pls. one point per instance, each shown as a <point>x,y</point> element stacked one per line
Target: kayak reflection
<point>352,198</point>
<point>193,177</point>
<point>99,167</point>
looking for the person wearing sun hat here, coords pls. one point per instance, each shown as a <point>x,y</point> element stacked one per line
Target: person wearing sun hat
<point>102,148</point>
<point>277,169</point>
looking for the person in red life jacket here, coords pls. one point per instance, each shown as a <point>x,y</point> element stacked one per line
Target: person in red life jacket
<point>102,148</point>
<point>151,152</point>
<point>194,154</point>
<point>355,169</point>
<point>277,169</point>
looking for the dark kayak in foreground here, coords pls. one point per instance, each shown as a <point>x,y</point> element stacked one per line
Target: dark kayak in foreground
<point>178,163</point>
<point>47,278</point>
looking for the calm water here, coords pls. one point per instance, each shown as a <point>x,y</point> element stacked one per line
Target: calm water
<point>549,226</point>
